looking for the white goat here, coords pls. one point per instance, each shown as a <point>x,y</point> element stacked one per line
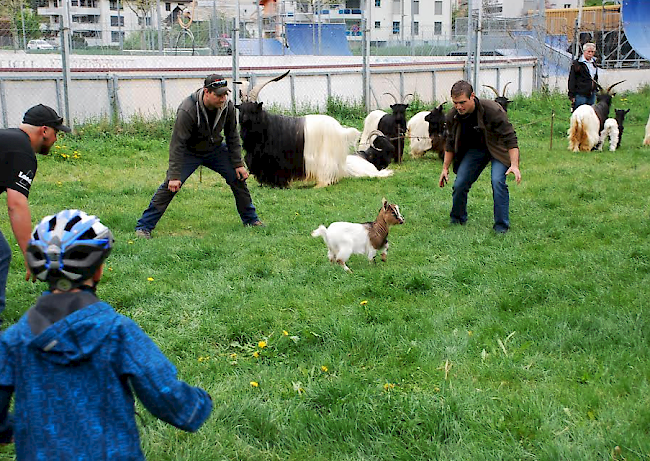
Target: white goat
<point>344,239</point>
<point>417,130</point>
<point>610,130</point>
<point>369,125</point>
<point>359,167</point>
<point>646,140</point>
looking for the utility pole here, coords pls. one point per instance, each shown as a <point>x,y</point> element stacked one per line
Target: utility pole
<point>65,60</point>
<point>477,53</point>
<point>160,37</point>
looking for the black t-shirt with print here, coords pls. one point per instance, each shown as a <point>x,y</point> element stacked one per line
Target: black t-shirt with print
<point>471,137</point>
<point>17,161</point>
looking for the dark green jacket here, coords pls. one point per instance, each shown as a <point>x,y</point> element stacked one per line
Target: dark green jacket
<point>497,131</point>
<point>192,135</point>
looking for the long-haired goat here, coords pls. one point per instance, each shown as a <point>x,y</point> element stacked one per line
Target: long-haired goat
<point>588,121</point>
<point>344,239</point>
<point>646,140</point>
<point>281,148</point>
<point>502,100</point>
<point>427,131</point>
<point>392,125</point>
<point>613,129</point>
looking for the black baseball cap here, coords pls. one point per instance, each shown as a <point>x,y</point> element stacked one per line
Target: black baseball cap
<point>42,115</point>
<point>217,82</point>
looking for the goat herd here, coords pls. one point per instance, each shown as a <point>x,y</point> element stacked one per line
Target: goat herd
<point>280,149</point>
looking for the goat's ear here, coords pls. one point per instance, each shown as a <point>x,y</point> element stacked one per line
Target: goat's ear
<point>384,203</point>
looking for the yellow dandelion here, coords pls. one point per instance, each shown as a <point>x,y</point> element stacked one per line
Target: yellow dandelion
<point>59,183</point>
<point>110,268</point>
<point>233,356</point>
<point>130,242</point>
<point>324,369</point>
<point>255,384</point>
<point>256,354</point>
<point>389,386</point>
<point>57,147</point>
<point>285,332</point>
<point>470,333</point>
<point>261,344</point>
<point>150,279</point>
<point>364,302</point>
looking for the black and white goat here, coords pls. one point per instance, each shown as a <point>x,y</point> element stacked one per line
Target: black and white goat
<point>613,129</point>
<point>379,152</point>
<point>502,100</point>
<point>282,148</point>
<point>392,125</point>
<point>427,131</point>
<point>344,239</point>
<point>588,121</point>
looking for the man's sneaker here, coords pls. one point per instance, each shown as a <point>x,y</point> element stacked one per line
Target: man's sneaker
<point>143,233</point>
<point>257,223</point>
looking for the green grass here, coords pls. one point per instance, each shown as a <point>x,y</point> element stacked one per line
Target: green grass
<point>464,345</point>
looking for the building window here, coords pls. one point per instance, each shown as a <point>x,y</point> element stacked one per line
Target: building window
<point>567,5</point>
<point>416,7</point>
<point>114,5</point>
<point>416,28</point>
<point>377,24</point>
<point>437,8</point>
<point>377,3</point>
<point>437,28</point>
<point>168,6</point>
<point>74,3</point>
<point>147,21</point>
<point>114,21</point>
<point>395,27</point>
<point>115,37</point>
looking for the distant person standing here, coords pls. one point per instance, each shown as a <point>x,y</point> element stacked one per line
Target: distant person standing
<point>583,78</point>
<point>18,148</point>
<point>203,120</point>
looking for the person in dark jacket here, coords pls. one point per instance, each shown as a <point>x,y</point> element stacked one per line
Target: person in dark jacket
<point>479,134</point>
<point>583,77</point>
<point>197,140</point>
<point>73,364</point>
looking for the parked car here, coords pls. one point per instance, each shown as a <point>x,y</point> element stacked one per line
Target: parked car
<point>39,45</point>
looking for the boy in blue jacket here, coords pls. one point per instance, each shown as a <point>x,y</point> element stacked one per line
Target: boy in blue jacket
<point>74,364</point>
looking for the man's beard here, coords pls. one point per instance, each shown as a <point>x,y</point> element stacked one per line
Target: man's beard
<point>45,149</point>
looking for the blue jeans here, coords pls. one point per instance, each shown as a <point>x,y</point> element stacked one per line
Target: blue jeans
<point>581,100</point>
<point>219,162</point>
<point>470,168</point>
<point>5,260</point>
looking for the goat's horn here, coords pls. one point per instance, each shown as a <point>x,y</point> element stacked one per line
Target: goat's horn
<point>374,133</point>
<point>612,86</point>
<point>392,96</point>
<point>252,94</point>
<point>493,89</point>
<point>504,88</point>
<point>406,96</point>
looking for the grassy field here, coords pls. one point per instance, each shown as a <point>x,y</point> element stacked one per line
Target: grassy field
<point>464,345</point>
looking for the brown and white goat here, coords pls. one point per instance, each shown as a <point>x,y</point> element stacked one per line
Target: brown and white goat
<point>588,121</point>
<point>344,239</point>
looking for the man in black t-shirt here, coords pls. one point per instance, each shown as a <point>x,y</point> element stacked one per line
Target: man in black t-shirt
<point>18,146</point>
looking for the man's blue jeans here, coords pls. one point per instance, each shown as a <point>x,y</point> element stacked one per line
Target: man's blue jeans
<point>219,162</point>
<point>581,100</point>
<point>470,168</point>
<point>5,261</point>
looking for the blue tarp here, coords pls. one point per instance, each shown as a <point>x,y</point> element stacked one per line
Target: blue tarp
<point>315,39</point>
<point>251,47</point>
<point>635,23</point>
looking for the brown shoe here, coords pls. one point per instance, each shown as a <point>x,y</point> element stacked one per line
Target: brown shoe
<point>257,223</point>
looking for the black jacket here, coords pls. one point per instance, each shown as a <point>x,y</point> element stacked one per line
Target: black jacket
<point>580,81</point>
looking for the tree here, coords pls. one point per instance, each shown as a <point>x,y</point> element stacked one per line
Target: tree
<point>142,9</point>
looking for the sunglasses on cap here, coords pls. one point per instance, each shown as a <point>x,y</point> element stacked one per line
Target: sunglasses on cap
<point>217,84</point>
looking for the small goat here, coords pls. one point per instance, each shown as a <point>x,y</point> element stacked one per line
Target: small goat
<point>427,131</point>
<point>646,140</point>
<point>502,100</point>
<point>344,239</point>
<point>588,121</point>
<point>614,130</point>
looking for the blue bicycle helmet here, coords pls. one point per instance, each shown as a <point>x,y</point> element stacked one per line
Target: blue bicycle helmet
<point>67,248</point>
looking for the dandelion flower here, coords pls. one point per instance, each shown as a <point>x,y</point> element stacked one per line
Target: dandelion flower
<point>364,302</point>
<point>261,344</point>
<point>389,386</point>
<point>256,354</point>
<point>130,242</point>
<point>285,332</point>
<point>255,384</point>
<point>150,279</point>
<point>324,369</point>
<point>233,356</point>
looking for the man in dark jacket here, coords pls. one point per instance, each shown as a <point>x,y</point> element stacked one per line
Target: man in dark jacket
<point>197,140</point>
<point>479,133</point>
<point>73,364</point>
<point>583,77</point>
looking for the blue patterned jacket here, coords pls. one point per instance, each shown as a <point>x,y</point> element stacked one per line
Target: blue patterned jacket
<point>74,364</point>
